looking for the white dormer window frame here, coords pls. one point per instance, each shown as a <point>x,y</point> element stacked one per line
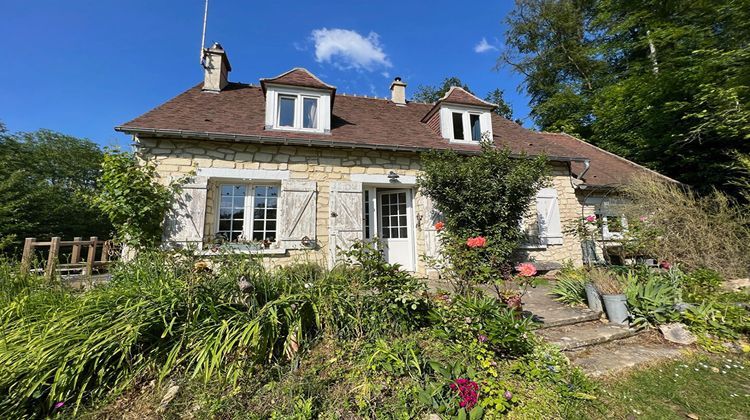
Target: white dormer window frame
<point>484,118</point>
<point>320,124</point>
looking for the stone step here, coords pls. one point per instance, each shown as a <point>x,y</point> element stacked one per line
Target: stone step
<point>576,336</point>
<point>574,317</point>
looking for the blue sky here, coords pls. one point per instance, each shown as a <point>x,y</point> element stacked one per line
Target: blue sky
<point>82,67</point>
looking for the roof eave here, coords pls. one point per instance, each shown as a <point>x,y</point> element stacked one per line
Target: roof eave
<point>197,135</point>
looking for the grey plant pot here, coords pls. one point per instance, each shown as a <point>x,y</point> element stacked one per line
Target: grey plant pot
<point>617,309</point>
<point>593,298</point>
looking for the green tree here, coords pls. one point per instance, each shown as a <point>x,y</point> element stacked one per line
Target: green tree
<point>503,108</point>
<point>661,83</point>
<point>430,94</point>
<point>134,200</point>
<point>45,178</point>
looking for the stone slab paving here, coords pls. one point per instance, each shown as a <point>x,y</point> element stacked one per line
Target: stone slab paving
<point>541,305</point>
<point>585,334</point>
<point>617,356</point>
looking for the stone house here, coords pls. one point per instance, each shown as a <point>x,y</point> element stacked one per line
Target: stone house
<point>291,169</point>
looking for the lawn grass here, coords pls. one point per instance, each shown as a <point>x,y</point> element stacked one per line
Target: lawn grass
<point>703,386</point>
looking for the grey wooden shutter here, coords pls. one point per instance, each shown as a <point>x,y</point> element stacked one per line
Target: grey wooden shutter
<point>297,211</point>
<point>185,222</point>
<point>345,221</point>
<point>430,216</point>
<point>548,217</point>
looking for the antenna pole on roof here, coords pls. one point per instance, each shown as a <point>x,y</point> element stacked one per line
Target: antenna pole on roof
<point>203,37</point>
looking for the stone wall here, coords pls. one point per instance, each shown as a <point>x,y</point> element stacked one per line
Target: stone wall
<point>178,157</point>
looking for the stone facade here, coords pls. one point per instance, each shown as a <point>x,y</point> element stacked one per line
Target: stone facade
<point>179,157</point>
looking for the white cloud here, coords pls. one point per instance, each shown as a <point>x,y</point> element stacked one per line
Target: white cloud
<point>347,49</point>
<point>484,46</point>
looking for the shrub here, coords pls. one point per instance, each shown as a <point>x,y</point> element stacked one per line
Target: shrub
<point>674,224</point>
<point>651,300</point>
<point>131,197</point>
<point>570,285</point>
<point>483,199</point>
<point>480,318</point>
<point>701,284</point>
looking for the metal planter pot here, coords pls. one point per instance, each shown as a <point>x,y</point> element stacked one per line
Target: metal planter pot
<point>617,309</point>
<point>593,298</point>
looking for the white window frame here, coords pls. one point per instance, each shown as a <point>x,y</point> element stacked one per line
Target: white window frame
<point>610,236</point>
<point>299,100</point>
<point>249,218</point>
<point>446,117</point>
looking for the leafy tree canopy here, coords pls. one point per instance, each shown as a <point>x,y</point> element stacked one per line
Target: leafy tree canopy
<point>661,83</point>
<point>45,178</point>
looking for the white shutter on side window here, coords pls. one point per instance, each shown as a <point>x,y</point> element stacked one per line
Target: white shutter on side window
<point>548,217</point>
<point>184,223</point>
<point>297,210</point>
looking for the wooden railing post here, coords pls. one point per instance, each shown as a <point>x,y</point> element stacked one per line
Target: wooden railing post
<point>91,256</point>
<point>75,256</point>
<point>106,247</point>
<point>28,253</point>
<point>54,249</point>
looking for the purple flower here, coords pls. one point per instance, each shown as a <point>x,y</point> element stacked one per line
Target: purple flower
<point>508,395</point>
<point>482,338</point>
<point>59,404</point>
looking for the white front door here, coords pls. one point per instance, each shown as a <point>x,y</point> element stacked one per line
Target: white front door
<point>395,227</point>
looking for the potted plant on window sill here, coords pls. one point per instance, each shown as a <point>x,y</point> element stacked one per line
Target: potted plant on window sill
<point>612,290</point>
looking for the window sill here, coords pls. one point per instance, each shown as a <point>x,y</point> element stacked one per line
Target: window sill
<point>240,251</point>
<point>533,247</point>
<point>476,142</point>
<point>298,130</point>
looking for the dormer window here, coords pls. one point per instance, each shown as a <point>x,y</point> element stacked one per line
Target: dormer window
<point>461,117</point>
<point>299,101</point>
<point>466,125</point>
<point>297,112</point>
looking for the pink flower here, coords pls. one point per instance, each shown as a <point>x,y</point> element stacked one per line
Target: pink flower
<point>643,218</point>
<point>59,404</point>
<point>468,391</point>
<point>477,242</point>
<point>665,264</point>
<point>482,338</point>
<point>508,395</point>
<point>591,218</point>
<point>439,226</point>
<point>526,269</point>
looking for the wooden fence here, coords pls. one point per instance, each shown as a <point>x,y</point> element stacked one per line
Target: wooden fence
<point>86,265</point>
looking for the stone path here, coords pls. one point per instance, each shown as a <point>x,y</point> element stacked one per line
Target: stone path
<point>598,347</point>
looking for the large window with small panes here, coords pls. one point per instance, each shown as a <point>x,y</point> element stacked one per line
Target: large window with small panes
<point>248,212</point>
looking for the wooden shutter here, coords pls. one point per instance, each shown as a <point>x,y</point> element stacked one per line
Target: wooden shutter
<point>548,217</point>
<point>297,210</point>
<point>186,220</point>
<point>345,221</point>
<point>430,216</point>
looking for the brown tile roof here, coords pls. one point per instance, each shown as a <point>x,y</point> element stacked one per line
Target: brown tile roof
<point>607,169</point>
<point>458,95</point>
<point>297,76</point>
<point>238,113</point>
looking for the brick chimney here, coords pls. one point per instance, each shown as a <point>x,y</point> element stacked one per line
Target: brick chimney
<point>398,92</point>
<point>216,68</point>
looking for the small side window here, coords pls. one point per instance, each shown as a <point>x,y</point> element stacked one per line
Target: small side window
<point>310,113</point>
<point>458,126</point>
<point>286,111</point>
<point>476,129</point>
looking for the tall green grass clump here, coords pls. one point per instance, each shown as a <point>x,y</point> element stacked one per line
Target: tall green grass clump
<point>157,314</point>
